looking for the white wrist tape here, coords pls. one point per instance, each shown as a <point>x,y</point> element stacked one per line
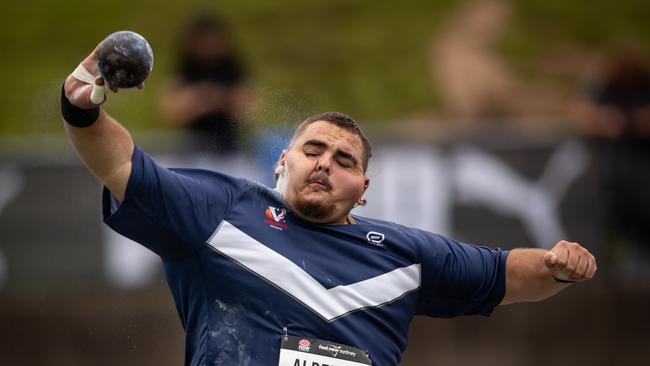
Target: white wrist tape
<point>99,91</point>
<point>84,75</point>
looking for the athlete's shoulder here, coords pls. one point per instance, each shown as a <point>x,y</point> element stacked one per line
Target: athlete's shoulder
<point>211,177</point>
<point>417,237</point>
<point>387,228</point>
<point>391,225</point>
<point>141,157</point>
<point>364,220</point>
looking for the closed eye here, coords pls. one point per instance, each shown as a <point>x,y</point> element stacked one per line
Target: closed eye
<point>345,164</point>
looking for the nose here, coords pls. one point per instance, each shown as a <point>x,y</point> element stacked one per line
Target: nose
<point>323,164</point>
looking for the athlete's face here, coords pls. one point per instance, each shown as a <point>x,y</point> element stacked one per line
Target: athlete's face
<point>323,173</point>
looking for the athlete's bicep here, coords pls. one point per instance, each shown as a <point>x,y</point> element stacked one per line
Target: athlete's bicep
<point>460,279</point>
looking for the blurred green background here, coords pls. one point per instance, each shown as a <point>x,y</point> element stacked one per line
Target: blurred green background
<point>366,58</point>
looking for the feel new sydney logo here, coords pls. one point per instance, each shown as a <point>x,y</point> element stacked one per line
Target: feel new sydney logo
<point>275,217</point>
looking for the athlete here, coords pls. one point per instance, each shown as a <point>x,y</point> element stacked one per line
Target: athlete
<point>288,276</point>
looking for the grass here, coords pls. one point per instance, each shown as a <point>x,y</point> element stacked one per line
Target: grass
<point>366,58</point>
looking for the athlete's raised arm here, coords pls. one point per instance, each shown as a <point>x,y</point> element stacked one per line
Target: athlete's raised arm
<point>101,142</point>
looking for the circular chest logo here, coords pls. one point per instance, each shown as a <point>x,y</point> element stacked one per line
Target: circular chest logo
<point>375,238</point>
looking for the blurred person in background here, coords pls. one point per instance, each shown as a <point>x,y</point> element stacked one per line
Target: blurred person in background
<point>615,116</point>
<point>208,95</point>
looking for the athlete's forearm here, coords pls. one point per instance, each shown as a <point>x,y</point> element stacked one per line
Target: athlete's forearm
<point>106,148</point>
<point>528,278</point>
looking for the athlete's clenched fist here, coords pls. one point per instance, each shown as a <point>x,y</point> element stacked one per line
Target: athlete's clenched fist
<point>570,262</point>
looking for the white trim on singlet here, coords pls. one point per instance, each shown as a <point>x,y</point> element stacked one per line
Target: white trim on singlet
<point>329,304</point>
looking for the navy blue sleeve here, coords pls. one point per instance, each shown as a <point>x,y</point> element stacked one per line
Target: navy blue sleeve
<point>171,212</point>
<point>457,278</point>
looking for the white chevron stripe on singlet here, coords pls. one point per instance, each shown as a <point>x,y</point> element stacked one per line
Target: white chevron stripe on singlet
<point>331,303</point>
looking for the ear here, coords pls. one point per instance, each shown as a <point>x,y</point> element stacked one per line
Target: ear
<point>282,157</point>
<point>279,165</point>
<point>366,183</point>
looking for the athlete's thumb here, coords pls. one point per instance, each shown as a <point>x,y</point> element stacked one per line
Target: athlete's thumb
<point>550,258</point>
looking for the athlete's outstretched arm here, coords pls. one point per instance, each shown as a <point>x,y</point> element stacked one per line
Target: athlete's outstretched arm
<point>105,147</point>
<point>535,274</point>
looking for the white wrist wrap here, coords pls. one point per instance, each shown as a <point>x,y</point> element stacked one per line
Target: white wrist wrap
<point>99,92</point>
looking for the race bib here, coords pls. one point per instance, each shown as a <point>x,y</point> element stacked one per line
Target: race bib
<point>300,351</point>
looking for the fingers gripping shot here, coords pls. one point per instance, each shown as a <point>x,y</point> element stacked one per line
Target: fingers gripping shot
<point>289,275</point>
<point>124,60</point>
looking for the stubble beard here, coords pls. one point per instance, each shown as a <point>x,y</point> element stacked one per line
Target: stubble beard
<point>315,210</point>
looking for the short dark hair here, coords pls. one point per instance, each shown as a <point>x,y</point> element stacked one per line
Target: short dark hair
<point>341,120</point>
